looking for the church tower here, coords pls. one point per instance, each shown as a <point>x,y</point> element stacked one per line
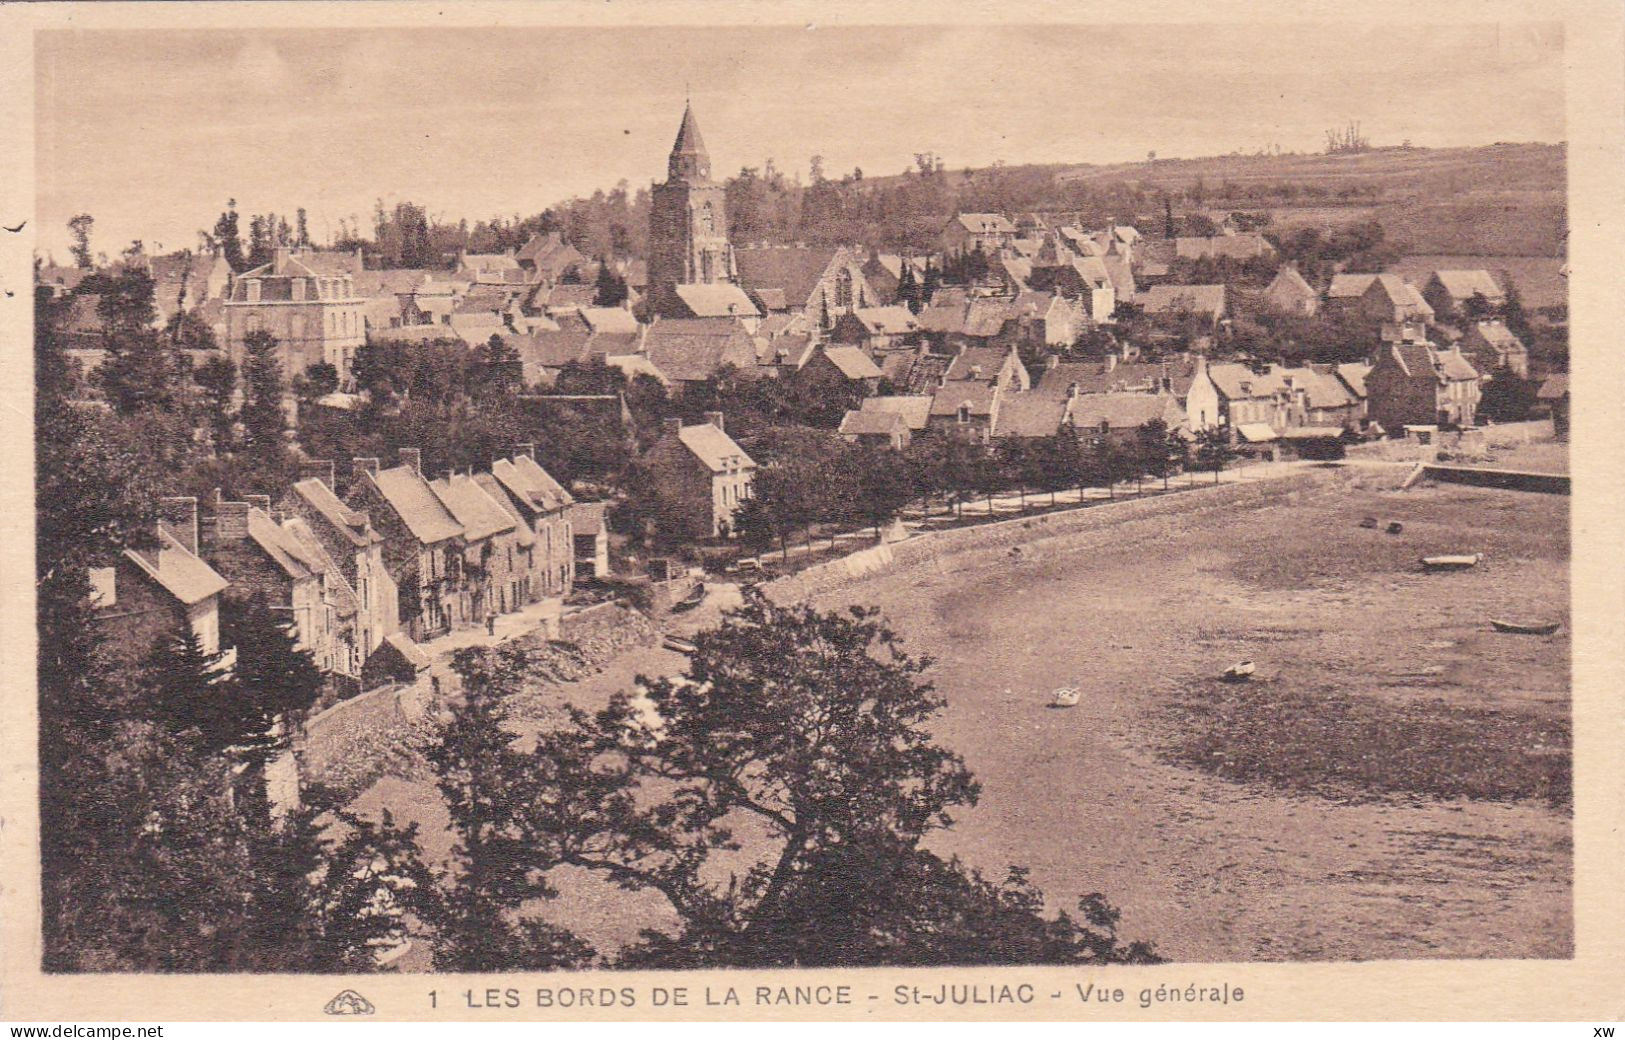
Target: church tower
<point>688,224</point>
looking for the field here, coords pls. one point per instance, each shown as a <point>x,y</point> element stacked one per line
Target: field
<point>1393,784</point>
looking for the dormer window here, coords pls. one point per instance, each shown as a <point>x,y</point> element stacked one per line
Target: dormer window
<point>964,413</point>
<point>252,289</point>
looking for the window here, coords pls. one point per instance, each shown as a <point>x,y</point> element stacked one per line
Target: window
<point>964,413</point>
<point>843,288</point>
<point>253,285</point>
<point>708,220</point>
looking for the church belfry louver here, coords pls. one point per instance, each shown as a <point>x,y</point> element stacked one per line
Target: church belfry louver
<point>688,224</point>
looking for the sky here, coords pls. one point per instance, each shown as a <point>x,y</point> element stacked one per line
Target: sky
<point>152,131</point>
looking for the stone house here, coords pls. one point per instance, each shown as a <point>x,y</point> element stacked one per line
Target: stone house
<point>1447,292</point>
<point>590,533</point>
<point>316,317</point>
<point>347,536</point>
<point>422,548</point>
<point>833,371</point>
<point>149,596</point>
<point>703,476</point>
<point>1288,293</point>
<point>1415,384</point>
<point>966,232</point>
<point>1377,299</point>
<point>544,505</point>
<point>1490,345</point>
<point>261,559</point>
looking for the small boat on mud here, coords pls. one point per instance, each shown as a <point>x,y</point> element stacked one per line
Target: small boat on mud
<point>1241,671</point>
<point>1369,523</point>
<point>1526,628</point>
<point>1457,562</point>
<point>682,646</point>
<point>1066,697</point>
<point>1394,527</point>
<point>695,597</point>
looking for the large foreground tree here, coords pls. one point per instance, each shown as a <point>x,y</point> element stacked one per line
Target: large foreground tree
<point>777,798</point>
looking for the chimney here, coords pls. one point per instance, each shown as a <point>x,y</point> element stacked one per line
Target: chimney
<point>230,522</point>
<point>1052,361</point>
<point>177,517</point>
<point>1111,362</point>
<point>282,254</point>
<point>671,427</point>
<point>976,371</point>
<point>527,450</point>
<point>260,502</point>
<point>317,469</point>
<point>1071,390</point>
<point>360,466</point>
<point>715,419</point>
<point>412,459</point>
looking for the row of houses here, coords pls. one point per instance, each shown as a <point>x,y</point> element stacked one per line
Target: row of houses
<point>365,576</point>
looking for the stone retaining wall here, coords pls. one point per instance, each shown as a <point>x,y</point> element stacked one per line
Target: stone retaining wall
<point>1039,533</point>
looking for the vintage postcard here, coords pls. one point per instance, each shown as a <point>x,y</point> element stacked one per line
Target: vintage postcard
<point>655,511</point>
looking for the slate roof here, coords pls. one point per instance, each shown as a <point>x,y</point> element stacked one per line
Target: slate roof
<point>351,523</point>
<point>716,300</point>
<point>1095,377</point>
<point>610,319</point>
<point>498,494</point>
<point>985,360</point>
<point>413,654</point>
<point>1124,411</point>
<point>1353,375</point>
<point>1463,284</point>
<point>914,408</point>
<point>283,549</point>
<point>1497,334</point>
<point>65,278</point>
<point>336,590</point>
<point>474,510</point>
<point>981,397</point>
<point>796,270</point>
<point>714,448</point>
<point>1030,415</point>
<point>985,223</point>
<point>1349,286</point>
<point>1288,284</point>
<point>1239,382</point>
<point>1555,388</point>
<point>1198,299</point>
<point>177,571</point>
<point>331,263</point>
<point>1242,246</point>
<point>852,362</point>
<point>551,349</point>
<point>416,504</point>
<point>895,320</point>
<point>857,422</point>
<point>530,483</point>
<point>693,349</point>
<point>587,518</point>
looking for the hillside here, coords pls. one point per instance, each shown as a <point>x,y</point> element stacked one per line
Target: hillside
<point>1495,200</point>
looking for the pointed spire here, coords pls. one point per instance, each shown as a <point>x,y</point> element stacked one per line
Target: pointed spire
<point>689,160</point>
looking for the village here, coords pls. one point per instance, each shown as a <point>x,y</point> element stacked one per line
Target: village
<point>373,468</point>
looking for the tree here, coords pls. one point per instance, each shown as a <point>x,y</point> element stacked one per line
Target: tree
<point>498,865</point>
<point>882,483</point>
<point>265,423</point>
<point>814,727</point>
<point>1159,449</point>
<point>610,289</point>
<point>79,227</point>
<point>1213,450</point>
<point>191,692</point>
<point>317,381</point>
<point>271,671</point>
<point>140,375</point>
<point>1506,397</point>
<point>217,379</point>
<point>229,238</point>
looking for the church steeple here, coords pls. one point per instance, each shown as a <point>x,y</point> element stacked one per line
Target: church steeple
<point>689,160</point>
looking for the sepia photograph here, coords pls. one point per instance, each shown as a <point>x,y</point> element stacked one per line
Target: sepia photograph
<point>523,498</point>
